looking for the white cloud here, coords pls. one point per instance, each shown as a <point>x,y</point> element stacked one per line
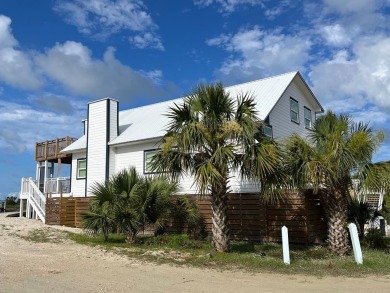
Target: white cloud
<point>16,68</point>
<point>147,40</point>
<point>228,6</point>
<point>23,125</point>
<point>155,76</point>
<point>53,103</point>
<point>361,17</point>
<point>256,53</point>
<point>102,18</point>
<point>279,8</point>
<point>335,35</point>
<point>358,6</point>
<point>372,115</point>
<point>71,64</point>
<point>6,37</point>
<point>363,73</point>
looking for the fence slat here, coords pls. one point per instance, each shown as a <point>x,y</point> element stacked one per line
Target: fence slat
<point>249,217</point>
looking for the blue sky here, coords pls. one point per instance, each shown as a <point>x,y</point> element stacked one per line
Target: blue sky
<point>55,56</point>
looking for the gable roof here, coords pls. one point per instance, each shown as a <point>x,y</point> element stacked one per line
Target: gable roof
<point>147,122</point>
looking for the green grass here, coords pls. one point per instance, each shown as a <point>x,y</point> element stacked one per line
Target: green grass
<point>45,236</point>
<point>254,257</point>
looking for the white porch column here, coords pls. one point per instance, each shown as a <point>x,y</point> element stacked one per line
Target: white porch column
<point>51,169</point>
<point>37,173</point>
<point>45,177</point>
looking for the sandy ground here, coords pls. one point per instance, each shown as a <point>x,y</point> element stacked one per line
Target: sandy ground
<point>68,267</point>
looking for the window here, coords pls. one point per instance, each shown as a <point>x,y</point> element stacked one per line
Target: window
<point>81,168</point>
<point>148,156</point>
<point>294,110</point>
<point>267,131</point>
<point>307,114</point>
<point>266,128</point>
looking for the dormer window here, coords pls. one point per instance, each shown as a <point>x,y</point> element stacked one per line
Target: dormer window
<point>294,110</point>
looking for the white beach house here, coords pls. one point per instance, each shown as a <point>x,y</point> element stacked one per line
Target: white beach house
<point>114,140</point>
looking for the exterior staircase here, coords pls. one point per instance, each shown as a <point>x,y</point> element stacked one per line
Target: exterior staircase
<point>35,200</point>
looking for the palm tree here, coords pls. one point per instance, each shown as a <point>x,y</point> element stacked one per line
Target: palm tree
<point>211,135</point>
<point>129,202</point>
<point>100,217</point>
<point>153,202</point>
<point>361,212</point>
<point>125,185</point>
<point>336,150</point>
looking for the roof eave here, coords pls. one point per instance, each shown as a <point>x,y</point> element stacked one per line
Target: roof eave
<point>321,109</point>
<point>130,142</point>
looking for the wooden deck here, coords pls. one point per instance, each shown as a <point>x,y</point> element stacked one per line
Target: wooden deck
<point>49,150</point>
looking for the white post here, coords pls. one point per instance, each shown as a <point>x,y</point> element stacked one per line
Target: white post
<point>286,250</point>
<point>45,178</point>
<point>380,201</point>
<point>21,208</point>
<point>37,173</point>
<point>357,251</point>
<point>57,185</point>
<point>28,208</point>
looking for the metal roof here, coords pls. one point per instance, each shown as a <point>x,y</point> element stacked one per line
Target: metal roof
<point>147,122</point>
<point>78,145</point>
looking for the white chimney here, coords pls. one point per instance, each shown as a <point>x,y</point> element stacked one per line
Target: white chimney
<point>102,127</point>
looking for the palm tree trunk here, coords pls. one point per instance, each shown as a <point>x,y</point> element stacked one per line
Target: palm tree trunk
<point>220,228</point>
<point>337,210</point>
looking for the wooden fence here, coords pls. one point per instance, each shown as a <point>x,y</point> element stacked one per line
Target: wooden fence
<point>66,211</point>
<point>250,217</point>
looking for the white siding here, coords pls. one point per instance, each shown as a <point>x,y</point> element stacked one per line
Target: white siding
<point>237,184</point>
<point>113,120</point>
<point>97,143</point>
<point>133,156</point>
<point>77,185</point>
<point>280,119</point>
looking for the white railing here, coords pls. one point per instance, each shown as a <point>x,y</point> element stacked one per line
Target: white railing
<point>57,185</point>
<point>374,199</point>
<point>35,199</point>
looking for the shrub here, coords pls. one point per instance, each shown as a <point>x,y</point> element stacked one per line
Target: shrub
<point>360,213</point>
<point>374,239</point>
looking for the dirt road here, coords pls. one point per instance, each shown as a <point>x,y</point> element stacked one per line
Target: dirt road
<point>68,267</point>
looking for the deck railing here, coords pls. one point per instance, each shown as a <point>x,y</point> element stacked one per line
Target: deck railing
<point>50,149</point>
<point>57,185</point>
<point>36,200</point>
